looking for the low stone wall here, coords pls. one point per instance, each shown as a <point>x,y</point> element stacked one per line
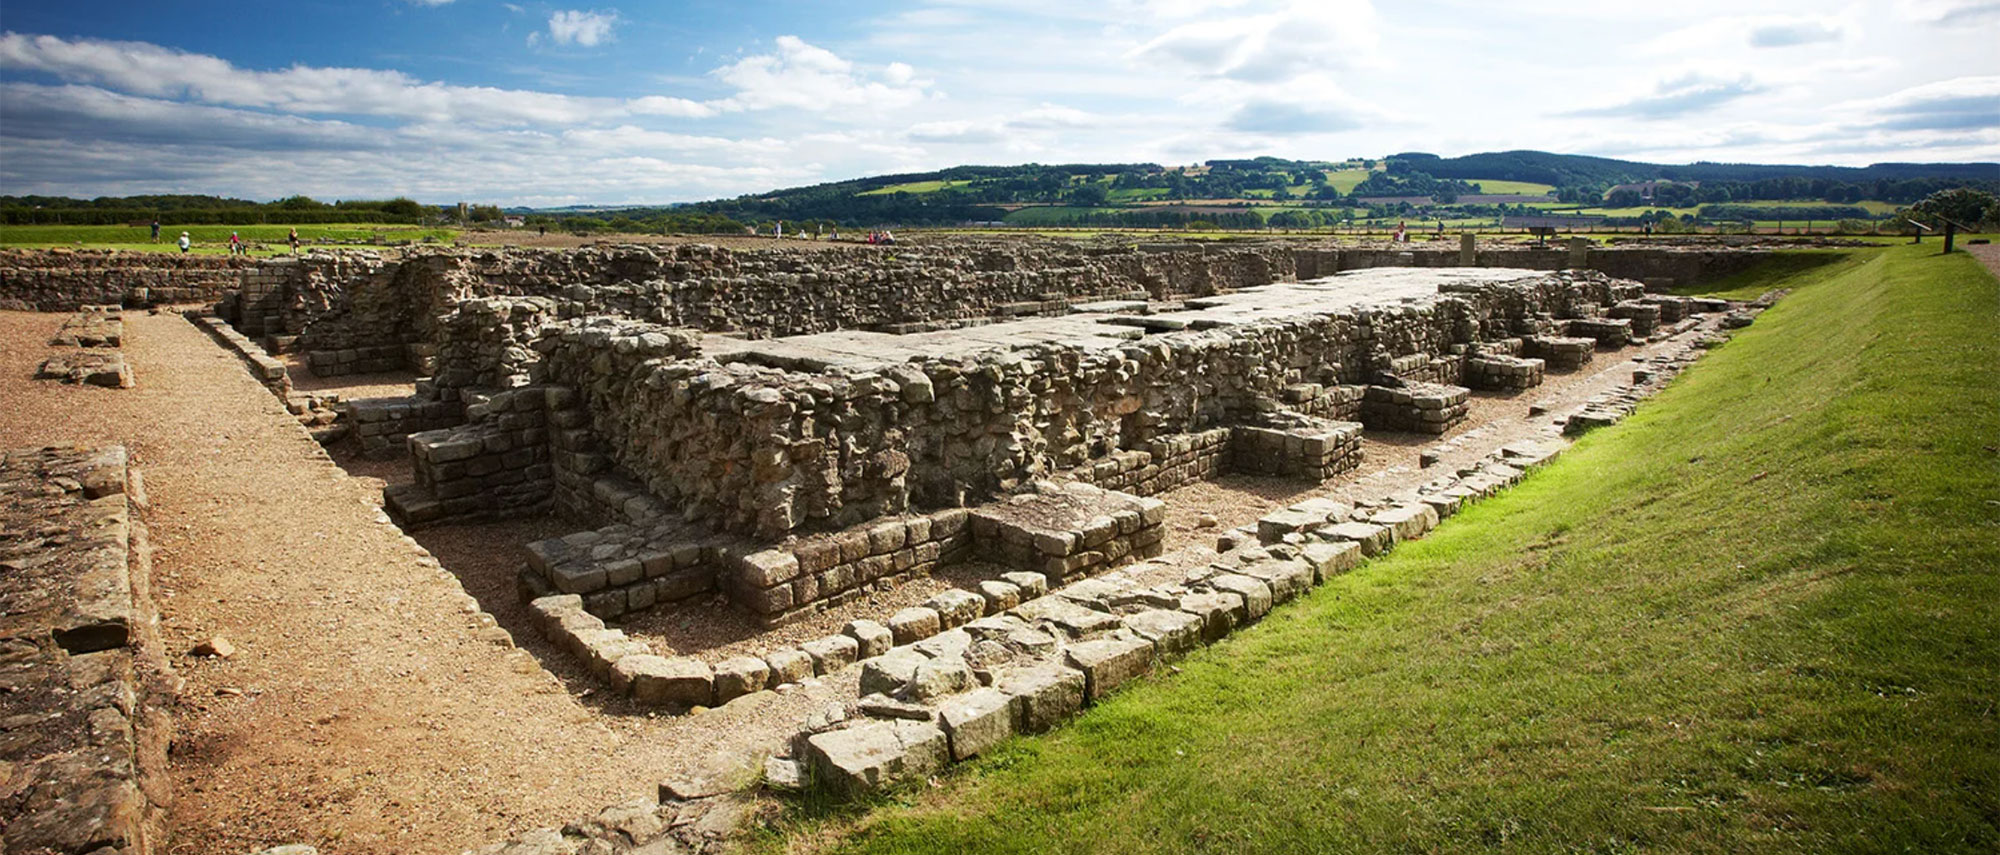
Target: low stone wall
<point>87,727</point>
<point>1164,464</point>
<point>382,426</point>
<point>1415,407</point>
<point>1315,451</point>
<point>64,280</point>
<point>763,451</point>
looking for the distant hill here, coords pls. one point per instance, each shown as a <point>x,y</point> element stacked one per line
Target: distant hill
<point>1253,191</point>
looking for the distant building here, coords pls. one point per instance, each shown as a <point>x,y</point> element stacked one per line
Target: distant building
<point>515,222</point>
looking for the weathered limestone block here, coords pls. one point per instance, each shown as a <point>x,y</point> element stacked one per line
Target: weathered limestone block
<point>890,673</point>
<point>876,755</point>
<point>1406,522</point>
<point>1172,633</point>
<point>1218,611</point>
<point>914,624</point>
<point>739,676</point>
<point>1108,662</point>
<point>1045,694</point>
<point>871,639</point>
<point>1374,539</point>
<point>1256,595</point>
<point>978,720</point>
<point>790,665</point>
<point>659,680</point>
<point>831,653</point>
<point>956,608</point>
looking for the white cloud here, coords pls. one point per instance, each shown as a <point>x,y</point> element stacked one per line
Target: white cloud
<point>1676,97</point>
<point>577,27</point>
<point>806,77</point>
<point>1300,38</point>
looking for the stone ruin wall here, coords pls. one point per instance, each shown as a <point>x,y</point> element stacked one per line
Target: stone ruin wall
<point>64,280</point>
<point>765,452</point>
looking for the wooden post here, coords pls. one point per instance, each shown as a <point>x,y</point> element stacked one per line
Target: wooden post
<point>1950,231</point>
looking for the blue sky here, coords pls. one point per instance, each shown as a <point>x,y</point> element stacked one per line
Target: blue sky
<point>627,102</point>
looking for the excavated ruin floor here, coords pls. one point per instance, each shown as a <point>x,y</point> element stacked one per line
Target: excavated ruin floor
<point>367,709</point>
<point>363,710</point>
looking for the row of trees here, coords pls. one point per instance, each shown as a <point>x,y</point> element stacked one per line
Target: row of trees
<point>206,210</point>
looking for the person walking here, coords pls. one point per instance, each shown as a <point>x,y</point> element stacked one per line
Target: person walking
<point>185,243</point>
<point>294,237</point>
<point>235,244</point>
<point>156,231</point>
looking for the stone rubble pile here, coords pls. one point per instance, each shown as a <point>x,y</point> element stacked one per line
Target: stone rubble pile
<point>90,355</point>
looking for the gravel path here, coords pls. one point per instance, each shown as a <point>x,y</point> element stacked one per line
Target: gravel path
<point>363,711</point>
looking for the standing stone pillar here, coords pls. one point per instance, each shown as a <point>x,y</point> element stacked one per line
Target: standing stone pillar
<point>1468,256</point>
<point>1579,253</point>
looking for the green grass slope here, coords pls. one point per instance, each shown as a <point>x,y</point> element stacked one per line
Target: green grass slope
<point>1758,616</point>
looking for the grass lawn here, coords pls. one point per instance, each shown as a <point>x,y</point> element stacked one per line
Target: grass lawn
<point>1345,180</point>
<point>209,239</point>
<point>1498,186</point>
<point>1758,616</point>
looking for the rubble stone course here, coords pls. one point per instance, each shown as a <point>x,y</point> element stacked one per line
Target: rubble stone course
<point>86,724</point>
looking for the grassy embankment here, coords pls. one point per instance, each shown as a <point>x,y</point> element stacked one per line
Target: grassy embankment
<point>214,240</point>
<point>1758,616</point>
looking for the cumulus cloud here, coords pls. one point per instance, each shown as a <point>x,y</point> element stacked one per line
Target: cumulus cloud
<point>1284,118</point>
<point>1675,97</point>
<point>1958,104</point>
<point>806,77</point>
<point>1950,13</point>
<point>1791,33</point>
<point>578,27</point>
<point>1300,38</point>
<point>798,76</point>
<point>146,69</point>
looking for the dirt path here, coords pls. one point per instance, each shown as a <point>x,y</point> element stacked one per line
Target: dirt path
<point>364,711</point>
<point>1988,254</point>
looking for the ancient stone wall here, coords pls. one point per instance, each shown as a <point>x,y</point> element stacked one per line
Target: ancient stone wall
<point>764,451</point>
<point>87,731</point>
<point>63,280</point>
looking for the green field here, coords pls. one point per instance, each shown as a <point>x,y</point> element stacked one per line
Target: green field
<point>915,187</point>
<point>213,239</point>
<point>1345,180</point>
<point>1757,616</point>
<point>1496,186</point>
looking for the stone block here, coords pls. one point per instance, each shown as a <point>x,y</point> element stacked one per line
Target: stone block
<point>659,680</point>
<point>914,624</point>
<point>978,720</point>
<point>876,755</point>
<point>1256,595</point>
<point>739,676</point>
<point>956,608</point>
<point>1108,662</point>
<point>871,638</point>
<point>831,653</point>
<point>1045,694</point>
<point>790,665</point>
<point>1172,633</point>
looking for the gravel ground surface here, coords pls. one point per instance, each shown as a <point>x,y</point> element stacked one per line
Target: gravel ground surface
<point>350,387</point>
<point>364,711</point>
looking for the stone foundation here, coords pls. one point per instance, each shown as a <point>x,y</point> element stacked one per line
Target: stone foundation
<point>1559,352</point>
<point>1317,450</point>
<point>1415,407</point>
<point>87,726</point>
